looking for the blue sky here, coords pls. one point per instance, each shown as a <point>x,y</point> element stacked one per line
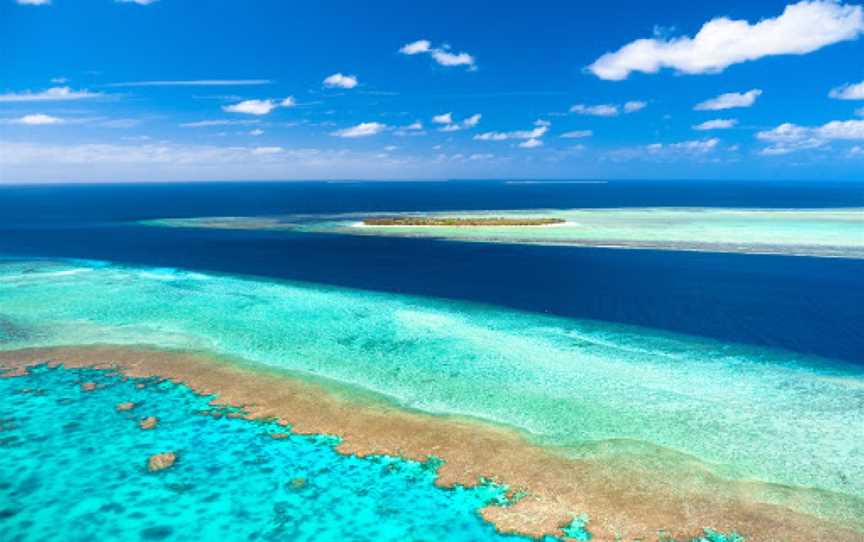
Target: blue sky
<point>144,90</point>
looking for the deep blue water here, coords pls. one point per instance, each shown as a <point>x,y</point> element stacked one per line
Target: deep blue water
<point>808,305</point>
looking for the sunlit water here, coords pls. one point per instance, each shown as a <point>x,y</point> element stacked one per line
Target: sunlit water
<point>813,232</point>
<point>750,413</point>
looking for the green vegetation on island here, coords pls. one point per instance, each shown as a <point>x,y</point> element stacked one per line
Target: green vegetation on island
<point>459,221</point>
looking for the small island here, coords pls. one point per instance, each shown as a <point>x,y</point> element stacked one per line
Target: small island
<point>459,221</point>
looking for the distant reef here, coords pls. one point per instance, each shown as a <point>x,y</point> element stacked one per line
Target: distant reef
<point>459,221</point>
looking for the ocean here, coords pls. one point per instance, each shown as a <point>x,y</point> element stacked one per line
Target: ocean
<point>726,386</point>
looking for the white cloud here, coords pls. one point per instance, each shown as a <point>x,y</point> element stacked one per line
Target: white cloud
<point>139,2</point>
<point>218,122</point>
<point>857,150</point>
<point>576,134</point>
<point>364,129</point>
<point>802,28</point>
<point>542,127</point>
<point>34,2</point>
<point>341,81</point>
<point>860,111</point>
<point>603,110</point>
<point>413,48</point>
<point>443,118</point>
<point>472,121</point>
<point>453,126</point>
<point>267,150</point>
<point>441,55</point>
<point>730,100</point>
<point>697,146</point>
<point>52,94</point>
<point>251,107</point>
<point>446,58</point>
<point>531,143</point>
<point>148,160</point>
<point>716,124</point>
<point>37,119</point>
<point>194,83</point>
<point>415,128</point>
<point>256,132</point>
<point>849,91</point>
<point>787,137</point>
<point>634,105</point>
<point>258,107</point>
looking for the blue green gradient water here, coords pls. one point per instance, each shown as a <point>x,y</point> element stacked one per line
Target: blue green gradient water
<point>749,413</point>
<point>74,468</point>
<point>807,232</point>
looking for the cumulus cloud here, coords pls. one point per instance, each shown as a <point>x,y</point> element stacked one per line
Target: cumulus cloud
<point>454,126</point>
<point>364,129</point>
<point>442,55</point>
<point>608,110</point>
<point>338,80</point>
<point>415,128</point>
<point>849,91</point>
<point>472,121</point>
<point>37,119</point>
<point>730,100</point>
<point>54,94</point>
<point>716,124</point>
<point>603,110</point>
<point>860,111</point>
<point>787,137</point>
<point>33,2</point>
<point>258,107</point>
<point>217,122</point>
<point>416,47</point>
<point>443,118</point>
<point>256,132</point>
<point>138,2</point>
<point>539,130</point>
<point>802,28</point>
<point>698,146</point>
<point>577,134</point>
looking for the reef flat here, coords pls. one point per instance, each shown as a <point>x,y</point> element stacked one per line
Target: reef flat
<point>459,221</point>
<point>643,432</point>
<point>802,232</point>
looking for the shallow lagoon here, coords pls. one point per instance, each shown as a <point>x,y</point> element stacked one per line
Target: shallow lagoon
<point>748,413</point>
<point>804,232</point>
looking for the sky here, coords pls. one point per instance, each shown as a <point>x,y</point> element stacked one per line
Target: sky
<point>173,90</point>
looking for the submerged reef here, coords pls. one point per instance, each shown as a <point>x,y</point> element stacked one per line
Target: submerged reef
<point>802,232</point>
<point>231,484</point>
<point>642,431</point>
<point>459,221</point>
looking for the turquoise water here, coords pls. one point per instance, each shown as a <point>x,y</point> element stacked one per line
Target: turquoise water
<point>812,232</point>
<point>748,413</point>
<point>73,468</point>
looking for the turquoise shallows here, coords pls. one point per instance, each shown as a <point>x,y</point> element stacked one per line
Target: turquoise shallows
<point>74,468</point>
<point>583,387</point>
<point>811,232</point>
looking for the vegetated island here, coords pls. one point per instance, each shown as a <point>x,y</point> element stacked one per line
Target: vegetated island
<point>459,221</point>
